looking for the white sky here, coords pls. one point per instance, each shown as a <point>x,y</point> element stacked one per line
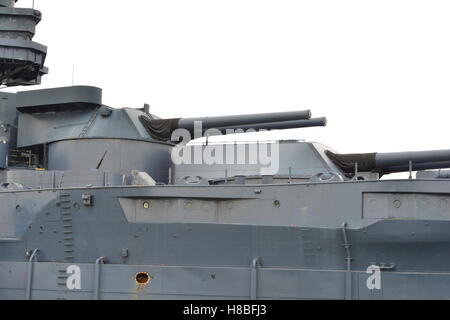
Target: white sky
<point>379,70</point>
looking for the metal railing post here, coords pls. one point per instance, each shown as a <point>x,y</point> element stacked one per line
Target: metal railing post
<point>97,275</point>
<point>254,279</point>
<point>33,256</point>
<point>348,275</point>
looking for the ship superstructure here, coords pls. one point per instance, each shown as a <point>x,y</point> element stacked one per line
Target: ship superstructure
<point>105,203</point>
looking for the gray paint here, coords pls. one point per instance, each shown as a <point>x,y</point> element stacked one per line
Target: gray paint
<point>434,174</point>
<point>55,99</point>
<point>73,122</point>
<point>4,146</point>
<point>7,3</point>
<point>313,122</point>
<point>390,159</point>
<point>298,261</point>
<point>228,283</point>
<point>22,60</point>
<point>8,118</point>
<point>243,119</point>
<point>305,232</point>
<point>296,157</point>
<point>18,23</point>
<point>32,179</point>
<point>220,229</point>
<point>122,156</point>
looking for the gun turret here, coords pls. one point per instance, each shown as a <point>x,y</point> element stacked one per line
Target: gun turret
<point>391,162</point>
<point>162,129</point>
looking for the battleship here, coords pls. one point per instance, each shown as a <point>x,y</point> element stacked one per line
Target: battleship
<point>105,203</point>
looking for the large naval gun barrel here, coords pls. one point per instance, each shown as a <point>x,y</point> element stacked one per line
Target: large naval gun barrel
<point>162,129</point>
<point>391,162</point>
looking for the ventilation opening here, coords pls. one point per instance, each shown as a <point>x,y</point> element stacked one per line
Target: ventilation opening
<point>142,278</point>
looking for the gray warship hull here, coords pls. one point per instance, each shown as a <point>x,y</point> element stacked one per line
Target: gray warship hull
<point>107,203</point>
<point>229,242</point>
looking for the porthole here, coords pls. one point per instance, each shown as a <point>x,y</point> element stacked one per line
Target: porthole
<point>142,278</point>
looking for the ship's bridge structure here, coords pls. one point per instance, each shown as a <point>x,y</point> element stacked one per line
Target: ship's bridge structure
<point>21,59</point>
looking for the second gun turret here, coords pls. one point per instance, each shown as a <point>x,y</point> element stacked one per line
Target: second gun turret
<point>391,162</point>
